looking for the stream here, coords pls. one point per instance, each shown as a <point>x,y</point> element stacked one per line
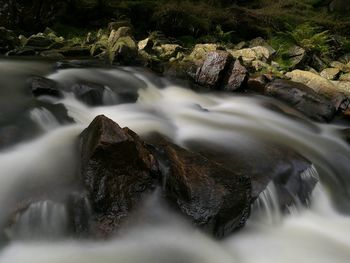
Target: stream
<point>38,151</point>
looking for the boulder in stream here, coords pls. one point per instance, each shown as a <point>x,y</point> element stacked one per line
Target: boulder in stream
<point>302,98</point>
<point>117,170</point>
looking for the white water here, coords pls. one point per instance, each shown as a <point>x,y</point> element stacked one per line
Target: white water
<point>234,123</point>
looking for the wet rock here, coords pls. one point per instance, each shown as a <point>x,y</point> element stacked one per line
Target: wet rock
<point>320,85</point>
<point>41,86</point>
<point>292,175</point>
<point>238,77</point>
<point>257,83</point>
<point>211,73</point>
<point>330,73</point>
<point>213,197</point>
<point>117,170</point>
<point>89,93</point>
<point>302,98</point>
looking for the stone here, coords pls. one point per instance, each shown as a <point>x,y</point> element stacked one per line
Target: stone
<point>41,86</point>
<point>200,52</point>
<point>302,98</point>
<point>296,55</point>
<point>250,54</point>
<point>117,171</point>
<point>345,59</point>
<point>257,83</point>
<point>330,73</point>
<point>215,198</point>
<point>345,77</point>
<point>167,51</point>
<point>259,41</point>
<point>39,41</point>
<point>320,85</point>
<point>238,77</point>
<point>146,45</point>
<point>211,73</point>
<point>292,175</point>
<point>89,93</point>
<point>340,66</point>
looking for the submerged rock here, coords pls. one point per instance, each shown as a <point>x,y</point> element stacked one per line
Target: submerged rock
<point>302,98</point>
<point>42,86</point>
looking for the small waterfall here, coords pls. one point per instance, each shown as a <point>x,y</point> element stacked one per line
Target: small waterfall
<point>44,119</point>
<point>267,206</point>
<point>41,220</point>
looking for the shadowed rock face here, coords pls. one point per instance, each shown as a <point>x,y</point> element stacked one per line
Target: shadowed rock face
<point>214,197</point>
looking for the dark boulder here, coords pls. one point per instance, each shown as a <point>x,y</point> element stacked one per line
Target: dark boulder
<point>89,93</point>
<point>302,98</point>
<point>257,83</point>
<point>117,170</point>
<point>238,76</point>
<point>212,196</point>
<point>41,86</point>
<point>214,68</point>
<point>221,71</point>
<point>293,175</point>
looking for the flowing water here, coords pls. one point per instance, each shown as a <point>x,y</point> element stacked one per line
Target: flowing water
<point>38,156</point>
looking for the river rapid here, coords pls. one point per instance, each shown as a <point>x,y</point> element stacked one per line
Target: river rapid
<point>38,151</point>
